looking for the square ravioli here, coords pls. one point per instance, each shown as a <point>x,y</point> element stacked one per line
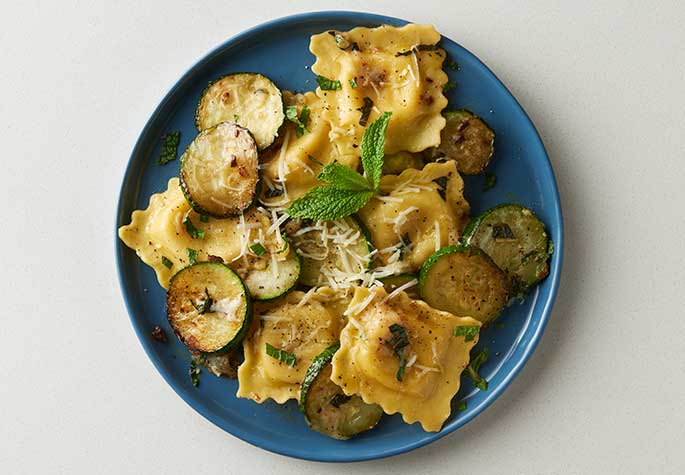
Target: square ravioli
<point>301,324</point>
<point>367,365</point>
<point>415,214</point>
<point>397,69</point>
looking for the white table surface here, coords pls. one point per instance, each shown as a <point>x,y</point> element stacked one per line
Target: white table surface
<point>605,389</point>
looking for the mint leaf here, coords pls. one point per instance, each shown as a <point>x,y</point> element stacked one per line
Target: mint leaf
<point>474,366</point>
<point>281,355</point>
<point>373,145</point>
<point>398,343</point>
<point>449,86</point>
<point>300,121</point>
<point>258,249</point>
<point>353,83</point>
<point>167,263</point>
<point>328,84</point>
<point>169,150</point>
<point>194,373</point>
<point>366,111</point>
<point>469,332</point>
<point>461,406</point>
<point>192,256</point>
<point>192,230</point>
<point>327,203</point>
<point>344,178</point>
<point>490,181</point>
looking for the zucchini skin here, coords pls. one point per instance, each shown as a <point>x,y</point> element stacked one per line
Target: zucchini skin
<point>239,335</point>
<point>468,251</point>
<point>292,287</point>
<point>313,371</point>
<point>198,109</point>
<point>519,284</point>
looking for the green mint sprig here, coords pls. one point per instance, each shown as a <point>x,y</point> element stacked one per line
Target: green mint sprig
<point>300,121</point>
<point>347,191</point>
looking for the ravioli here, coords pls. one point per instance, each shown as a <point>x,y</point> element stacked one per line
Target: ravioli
<point>290,167</point>
<point>159,232</point>
<point>398,69</point>
<point>366,364</point>
<point>416,213</point>
<point>299,323</point>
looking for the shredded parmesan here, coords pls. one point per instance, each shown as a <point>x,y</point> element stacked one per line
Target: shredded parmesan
<point>437,236</point>
<point>275,318</point>
<point>411,361</point>
<point>356,309</point>
<point>358,326</point>
<point>401,288</point>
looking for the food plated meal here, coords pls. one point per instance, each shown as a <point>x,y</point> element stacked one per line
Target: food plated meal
<point>318,246</point>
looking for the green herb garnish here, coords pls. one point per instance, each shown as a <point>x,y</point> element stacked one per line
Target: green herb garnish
<point>203,306</point>
<point>450,63</point>
<point>194,373</point>
<point>449,86</point>
<point>281,355</point>
<point>347,190</point>
<point>204,218</point>
<point>192,256</point>
<point>398,343</point>
<point>169,149</point>
<point>366,111</point>
<point>328,84</point>
<point>339,399</point>
<point>474,366</point>
<point>502,231</point>
<point>442,185</point>
<point>490,181</point>
<point>469,332</point>
<point>418,48</point>
<point>236,117</point>
<point>258,249</point>
<point>299,120</point>
<point>167,263</point>
<point>353,83</point>
<point>461,406</point>
<point>405,245</point>
<point>192,230</point>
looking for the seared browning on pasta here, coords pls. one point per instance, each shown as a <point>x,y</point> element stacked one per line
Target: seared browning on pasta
<point>369,288</point>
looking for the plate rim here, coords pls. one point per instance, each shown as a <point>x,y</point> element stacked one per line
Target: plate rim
<point>257,441</point>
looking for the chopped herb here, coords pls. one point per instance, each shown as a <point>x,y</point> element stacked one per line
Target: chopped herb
<point>300,121</point>
<point>405,245</point>
<point>194,373</point>
<point>474,366</point>
<point>204,218</point>
<point>449,86</point>
<point>281,355</point>
<point>418,48</point>
<point>236,117</point>
<point>366,111</point>
<point>342,42</point>
<point>158,334</point>
<point>169,150</point>
<point>203,306</point>
<point>192,256</point>
<point>258,249</point>
<point>212,258</point>
<point>550,247</point>
<point>167,263</point>
<point>328,84</point>
<point>192,230</point>
<point>461,406</point>
<point>353,83</point>
<point>340,399</point>
<point>469,332</point>
<point>273,193</point>
<point>490,181</point>
<point>314,160</point>
<point>502,231</point>
<point>398,343</point>
<point>450,63</point>
<point>337,200</point>
<point>442,185</point>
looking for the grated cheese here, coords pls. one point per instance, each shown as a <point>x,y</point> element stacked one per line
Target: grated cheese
<point>437,236</point>
<point>399,289</point>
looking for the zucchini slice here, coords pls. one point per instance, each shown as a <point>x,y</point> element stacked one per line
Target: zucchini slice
<point>464,281</point>
<point>275,280</point>
<point>327,409</point>
<point>515,239</point>
<point>219,171</point>
<point>398,162</point>
<point>247,99</point>
<point>394,282</point>
<point>468,140</point>
<point>208,307</point>
<point>334,251</point>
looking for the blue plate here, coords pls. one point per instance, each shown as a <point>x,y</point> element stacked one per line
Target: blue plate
<point>280,49</point>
